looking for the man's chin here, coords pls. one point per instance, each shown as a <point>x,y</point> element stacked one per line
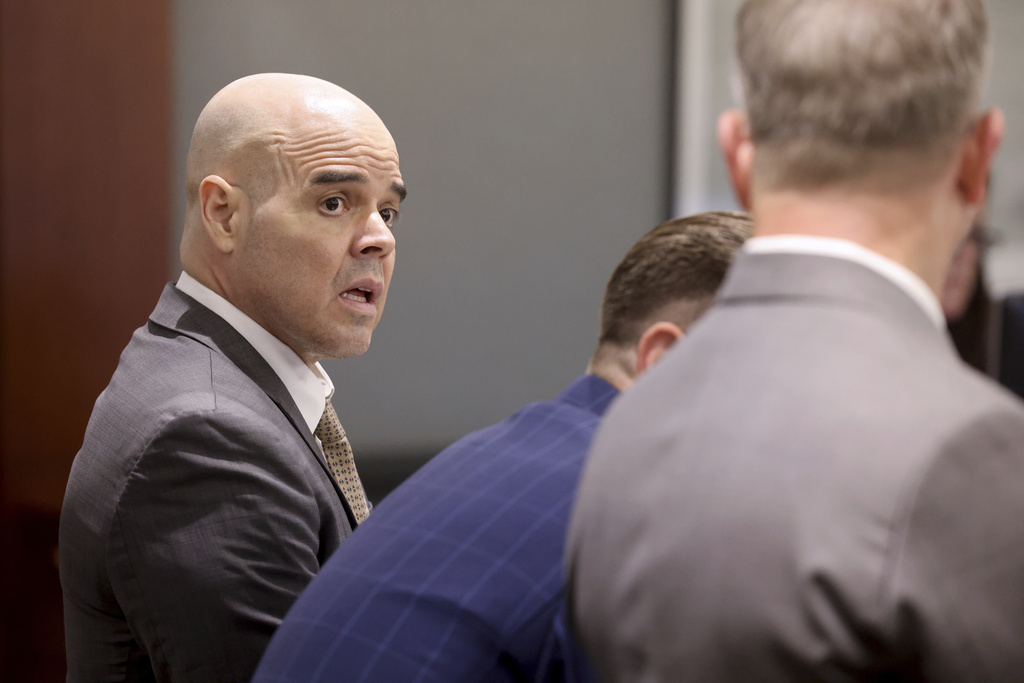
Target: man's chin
<point>350,347</point>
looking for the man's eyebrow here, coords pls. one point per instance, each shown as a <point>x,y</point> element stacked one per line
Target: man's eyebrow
<point>399,189</point>
<point>332,177</point>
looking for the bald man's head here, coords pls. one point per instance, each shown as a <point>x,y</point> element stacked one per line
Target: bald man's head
<point>293,186</point>
<point>235,135</point>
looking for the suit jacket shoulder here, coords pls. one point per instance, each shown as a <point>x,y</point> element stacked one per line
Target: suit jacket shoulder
<point>196,511</point>
<point>809,480</point>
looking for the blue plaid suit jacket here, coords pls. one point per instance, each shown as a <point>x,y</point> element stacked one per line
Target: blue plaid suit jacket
<point>457,575</point>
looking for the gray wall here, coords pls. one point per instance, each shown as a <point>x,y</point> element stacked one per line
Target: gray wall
<point>534,141</point>
<point>1006,261</point>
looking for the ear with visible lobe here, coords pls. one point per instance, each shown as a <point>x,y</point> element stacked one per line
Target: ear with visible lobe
<point>654,342</point>
<point>735,143</point>
<point>221,207</point>
<point>978,151</point>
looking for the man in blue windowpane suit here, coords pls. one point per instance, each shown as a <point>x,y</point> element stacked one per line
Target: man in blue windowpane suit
<point>457,575</point>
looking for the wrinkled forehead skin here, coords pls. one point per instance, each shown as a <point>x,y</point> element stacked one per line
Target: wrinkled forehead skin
<point>331,128</point>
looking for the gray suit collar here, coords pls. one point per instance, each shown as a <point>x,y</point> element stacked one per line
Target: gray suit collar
<point>180,313</point>
<point>828,280</point>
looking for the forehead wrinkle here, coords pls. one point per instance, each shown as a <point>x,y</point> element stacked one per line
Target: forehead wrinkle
<point>305,146</point>
<point>320,146</point>
<point>278,148</point>
<point>316,155</point>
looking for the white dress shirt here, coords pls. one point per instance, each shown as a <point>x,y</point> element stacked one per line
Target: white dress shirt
<point>308,388</point>
<point>899,275</point>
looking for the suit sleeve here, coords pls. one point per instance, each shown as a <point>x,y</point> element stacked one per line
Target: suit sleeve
<point>959,573</point>
<point>394,637</point>
<point>215,535</point>
<point>396,605</point>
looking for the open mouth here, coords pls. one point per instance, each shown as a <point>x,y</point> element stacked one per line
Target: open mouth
<point>359,294</point>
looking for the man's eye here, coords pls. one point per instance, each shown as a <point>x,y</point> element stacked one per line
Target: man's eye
<point>332,204</point>
<point>389,216</point>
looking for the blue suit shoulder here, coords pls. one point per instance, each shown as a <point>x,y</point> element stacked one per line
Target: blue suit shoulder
<point>457,574</point>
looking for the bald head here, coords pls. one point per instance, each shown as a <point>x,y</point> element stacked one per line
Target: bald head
<point>241,133</point>
<point>237,133</point>
<point>293,186</point>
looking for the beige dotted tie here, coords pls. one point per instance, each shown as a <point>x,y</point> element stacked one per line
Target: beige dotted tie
<point>341,463</point>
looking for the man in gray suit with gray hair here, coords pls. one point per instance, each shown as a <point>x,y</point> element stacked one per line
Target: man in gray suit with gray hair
<point>214,479</point>
<point>813,487</point>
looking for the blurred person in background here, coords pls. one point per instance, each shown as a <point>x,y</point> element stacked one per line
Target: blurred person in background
<point>988,331</point>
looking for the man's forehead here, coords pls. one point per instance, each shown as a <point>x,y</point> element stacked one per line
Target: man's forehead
<point>325,150</point>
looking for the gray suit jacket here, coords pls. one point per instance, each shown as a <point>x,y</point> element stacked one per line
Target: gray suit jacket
<point>810,487</point>
<point>196,511</point>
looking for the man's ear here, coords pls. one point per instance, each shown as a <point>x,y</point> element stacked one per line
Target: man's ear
<point>654,342</point>
<point>221,207</point>
<point>978,152</point>
<point>738,148</point>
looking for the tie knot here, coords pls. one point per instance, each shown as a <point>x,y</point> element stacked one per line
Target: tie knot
<point>329,429</point>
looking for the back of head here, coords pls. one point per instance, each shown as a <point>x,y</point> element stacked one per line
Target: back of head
<point>673,273</point>
<point>848,91</point>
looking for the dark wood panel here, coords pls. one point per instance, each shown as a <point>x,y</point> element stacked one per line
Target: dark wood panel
<point>85,138</point>
<point>33,629</point>
<point>85,216</point>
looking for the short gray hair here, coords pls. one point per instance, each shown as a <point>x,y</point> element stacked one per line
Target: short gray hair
<point>851,90</point>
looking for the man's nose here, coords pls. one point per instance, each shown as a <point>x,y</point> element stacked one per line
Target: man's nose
<point>376,238</point>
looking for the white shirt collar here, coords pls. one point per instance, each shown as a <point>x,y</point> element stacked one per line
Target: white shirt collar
<point>308,388</point>
<point>899,275</point>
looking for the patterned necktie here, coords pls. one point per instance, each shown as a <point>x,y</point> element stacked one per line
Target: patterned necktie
<point>341,463</point>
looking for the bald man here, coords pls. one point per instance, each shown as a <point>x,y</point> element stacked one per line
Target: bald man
<point>214,479</point>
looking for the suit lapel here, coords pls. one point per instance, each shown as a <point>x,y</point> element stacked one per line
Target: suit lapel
<point>182,314</point>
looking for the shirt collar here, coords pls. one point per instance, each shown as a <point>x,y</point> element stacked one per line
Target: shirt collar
<point>590,393</point>
<point>899,275</point>
<point>310,389</point>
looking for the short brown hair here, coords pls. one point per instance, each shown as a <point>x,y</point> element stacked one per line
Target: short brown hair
<point>840,90</point>
<point>684,259</point>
